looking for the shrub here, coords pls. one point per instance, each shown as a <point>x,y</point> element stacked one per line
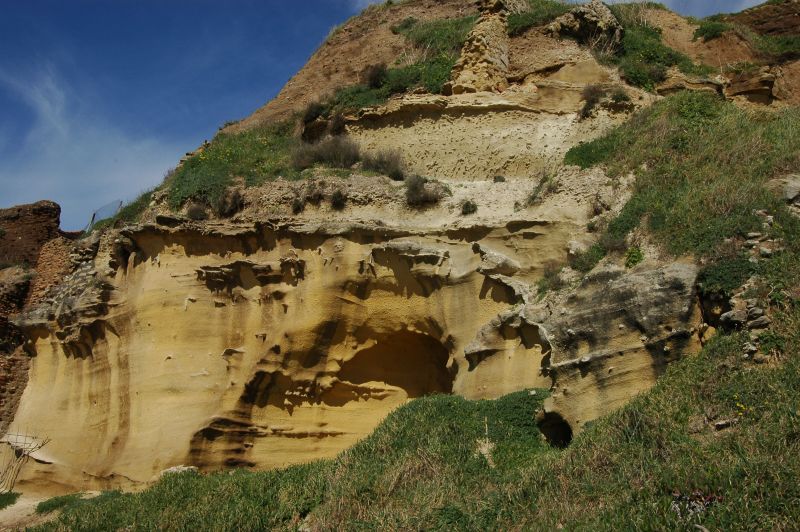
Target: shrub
<point>314,193</point>
<point>337,125</point>
<point>338,199</point>
<point>547,184</point>
<point>587,260</point>
<point>551,279</point>
<point>592,95</point>
<point>387,162</point>
<point>197,212</point>
<point>711,29</point>
<point>620,95</point>
<point>298,205</point>
<point>9,498</point>
<point>633,257</point>
<point>374,76</point>
<point>418,194</point>
<point>499,179</point>
<point>469,207</point>
<point>539,13</point>
<point>724,276</point>
<point>230,203</point>
<point>313,111</point>
<point>405,25</point>
<point>336,152</point>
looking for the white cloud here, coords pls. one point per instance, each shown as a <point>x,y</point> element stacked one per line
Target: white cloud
<point>71,154</point>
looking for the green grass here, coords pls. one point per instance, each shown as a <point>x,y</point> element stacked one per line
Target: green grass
<point>130,212</point>
<point>701,166</point>
<point>421,468</point>
<point>540,12</point>
<point>711,29</point>
<point>57,503</point>
<point>642,57</point>
<point>8,499</point>
<point>255,155</point>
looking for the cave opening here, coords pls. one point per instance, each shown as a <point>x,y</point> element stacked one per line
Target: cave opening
<point>556,430</point>
<point>412,361</point>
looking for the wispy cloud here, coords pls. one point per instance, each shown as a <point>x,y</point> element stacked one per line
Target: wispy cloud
<point>71,154</point>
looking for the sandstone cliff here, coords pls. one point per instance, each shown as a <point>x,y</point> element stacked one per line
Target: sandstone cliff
<point>275,337</point>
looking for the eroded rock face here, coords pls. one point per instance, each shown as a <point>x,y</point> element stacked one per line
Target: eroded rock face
<point>483,65</point>
<point>265,345</point>
<point>590,23</point>
<point>25,228</point>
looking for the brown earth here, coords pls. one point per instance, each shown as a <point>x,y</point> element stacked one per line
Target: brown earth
<point>771,19</point>
<point>678,33</point>
<point>25,228</point>
<point>362,41</point>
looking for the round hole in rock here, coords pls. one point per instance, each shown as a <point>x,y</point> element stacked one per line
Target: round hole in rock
<point>556,430</point>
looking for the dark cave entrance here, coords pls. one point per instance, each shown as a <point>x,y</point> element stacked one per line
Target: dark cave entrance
<point>556,430</point>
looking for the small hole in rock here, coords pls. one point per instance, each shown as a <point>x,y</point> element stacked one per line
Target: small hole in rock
<point>556,430</point>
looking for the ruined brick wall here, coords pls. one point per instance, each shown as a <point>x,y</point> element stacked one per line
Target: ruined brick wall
<point>24,229</point>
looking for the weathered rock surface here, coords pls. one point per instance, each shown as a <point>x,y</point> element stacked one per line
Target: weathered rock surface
<point>25,228</point>
<point>590,23</point>
<point>484,61</point>
<point>264,345</point>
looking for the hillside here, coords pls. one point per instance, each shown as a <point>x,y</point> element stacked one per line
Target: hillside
<point>480,265</point>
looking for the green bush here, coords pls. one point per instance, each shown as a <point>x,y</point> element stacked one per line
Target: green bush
<point>710,30</point>
<point>8,499</point>
<point>256,155</point>
<point>585,261</point>
<point>469,207</point>
<point>724,276</point>
<point>633,257</point>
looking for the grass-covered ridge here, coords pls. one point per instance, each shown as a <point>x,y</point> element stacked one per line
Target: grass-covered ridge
<point>255,155</point>
<point>701,166</point>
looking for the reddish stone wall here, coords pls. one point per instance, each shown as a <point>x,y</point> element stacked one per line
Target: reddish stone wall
<point>25,228</point>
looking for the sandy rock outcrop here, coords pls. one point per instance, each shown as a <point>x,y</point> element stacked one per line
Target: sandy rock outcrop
<point>589,23</point>
<point>483,65</point>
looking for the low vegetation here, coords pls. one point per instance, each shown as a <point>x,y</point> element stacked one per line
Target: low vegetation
<point>419,193</point>
<point>256,155</point>
<point>642,57</point>
<point>710,29</point>
<point>8,499</point>
<point>386,162</point>
<point>698,181</point>
<point>438,44</point>
<point>469,207</point>
<point>539,13</point>
<point>335,152</point>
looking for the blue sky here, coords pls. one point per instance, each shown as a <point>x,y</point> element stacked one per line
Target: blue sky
<point>98,98</point>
